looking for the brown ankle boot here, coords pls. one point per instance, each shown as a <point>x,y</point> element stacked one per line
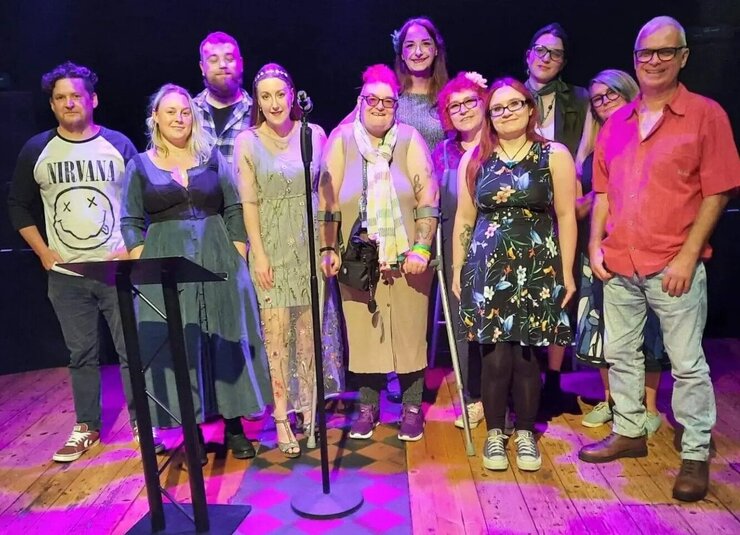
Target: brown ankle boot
<point>613,447</point>
<point>692,482</point>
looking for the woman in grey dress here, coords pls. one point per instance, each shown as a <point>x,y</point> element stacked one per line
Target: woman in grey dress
<point>270,173</point>
<point>179,200</point>
<point>421,67</point>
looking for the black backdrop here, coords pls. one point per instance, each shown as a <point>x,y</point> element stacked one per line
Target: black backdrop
<point>135,46</point>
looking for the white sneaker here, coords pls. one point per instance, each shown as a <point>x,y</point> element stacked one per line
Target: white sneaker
<point>81,440</point>
<point>527,453</point>
<point>652,423</point>
<point>475,415</point>
<point>494,451</point>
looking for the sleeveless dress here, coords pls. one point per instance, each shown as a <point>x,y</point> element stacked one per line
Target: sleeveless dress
<point>393,338</point>
<point>512,278</point>
<point>281,190</point>
<point>420,112</point>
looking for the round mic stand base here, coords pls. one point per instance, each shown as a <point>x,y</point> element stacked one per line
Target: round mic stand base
<point>342,500</point>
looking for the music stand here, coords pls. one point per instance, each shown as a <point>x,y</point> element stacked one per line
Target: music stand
<point>124,274</point>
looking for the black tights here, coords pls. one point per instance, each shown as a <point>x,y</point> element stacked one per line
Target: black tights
<point>510,367</point>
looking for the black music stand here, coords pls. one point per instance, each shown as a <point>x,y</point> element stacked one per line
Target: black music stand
<point>124,274</point>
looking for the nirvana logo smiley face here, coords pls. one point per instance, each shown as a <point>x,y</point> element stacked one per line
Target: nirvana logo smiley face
<point>83,218</point>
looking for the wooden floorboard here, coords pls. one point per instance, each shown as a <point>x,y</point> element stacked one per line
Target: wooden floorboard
<point>449,492</point>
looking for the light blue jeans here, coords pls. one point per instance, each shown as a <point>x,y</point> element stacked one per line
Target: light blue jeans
<point>682,320</point>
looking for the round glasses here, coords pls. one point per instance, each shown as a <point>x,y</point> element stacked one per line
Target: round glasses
<point>372,101</point>
<point>609,96</point>
<point>468,104</point>
<point>556,54</point>
<point>513,106</point>
<point>645,55</point>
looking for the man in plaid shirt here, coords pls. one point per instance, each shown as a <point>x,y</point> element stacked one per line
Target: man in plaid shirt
<point>224,104</point>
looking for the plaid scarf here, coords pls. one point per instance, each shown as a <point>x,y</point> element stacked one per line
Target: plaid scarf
<point>384,219</point>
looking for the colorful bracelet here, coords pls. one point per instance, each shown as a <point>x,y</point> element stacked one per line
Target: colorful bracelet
<point>422,250</point>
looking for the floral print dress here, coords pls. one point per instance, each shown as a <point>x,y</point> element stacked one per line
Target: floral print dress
<point>512,279</point>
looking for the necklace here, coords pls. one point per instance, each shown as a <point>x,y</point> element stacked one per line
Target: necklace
<point>511,163</point>
<point>547,113</point>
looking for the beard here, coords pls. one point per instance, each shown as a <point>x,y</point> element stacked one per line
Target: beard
<point>223,87</point>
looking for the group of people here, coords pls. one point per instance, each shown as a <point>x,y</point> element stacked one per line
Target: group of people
<point>554,201</point>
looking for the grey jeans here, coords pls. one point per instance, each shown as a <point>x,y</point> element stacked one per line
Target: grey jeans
<point>682,321</point>
<point>78,302</point>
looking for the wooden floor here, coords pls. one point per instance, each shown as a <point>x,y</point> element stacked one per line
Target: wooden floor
<point>447,492</point>
<point>453,493</point>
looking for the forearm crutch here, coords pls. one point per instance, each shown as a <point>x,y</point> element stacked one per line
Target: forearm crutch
<point>438,265</point>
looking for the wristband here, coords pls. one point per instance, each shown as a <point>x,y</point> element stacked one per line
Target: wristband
<point>325,249</point>
<point>422,250</point>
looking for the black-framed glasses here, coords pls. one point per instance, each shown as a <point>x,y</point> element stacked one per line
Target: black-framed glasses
<point>513,106</point>
<point>556,54</point>
<point>602,98</point>
<point>468,104</point>
<point>645,55</point>
<point>373,101</point>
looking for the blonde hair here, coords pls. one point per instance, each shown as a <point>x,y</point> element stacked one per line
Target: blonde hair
<point>200,142</point>
<point>618,81</point>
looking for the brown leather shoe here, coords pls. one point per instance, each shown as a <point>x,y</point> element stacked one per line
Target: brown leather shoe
<point>692,481</point>
<point>613,447</point>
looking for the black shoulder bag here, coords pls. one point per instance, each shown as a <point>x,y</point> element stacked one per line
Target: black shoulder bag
<point>360,261</point>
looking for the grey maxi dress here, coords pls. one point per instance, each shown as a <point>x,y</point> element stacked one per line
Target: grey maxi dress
<point>226,354</point>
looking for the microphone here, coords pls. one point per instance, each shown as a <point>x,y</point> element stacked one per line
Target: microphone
<point>304,102</point>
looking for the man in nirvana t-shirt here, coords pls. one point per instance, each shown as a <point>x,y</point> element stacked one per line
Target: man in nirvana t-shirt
<point>76,169</point>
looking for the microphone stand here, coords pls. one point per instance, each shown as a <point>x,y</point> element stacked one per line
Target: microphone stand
<point>343,500</point>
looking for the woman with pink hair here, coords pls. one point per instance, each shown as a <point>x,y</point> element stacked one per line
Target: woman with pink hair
<point>461,113</point>
<point>376,185</point>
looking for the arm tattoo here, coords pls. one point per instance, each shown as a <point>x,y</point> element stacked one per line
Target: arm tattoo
<point>424,230</point>
<point>417,185</point>
<point>465,237</point>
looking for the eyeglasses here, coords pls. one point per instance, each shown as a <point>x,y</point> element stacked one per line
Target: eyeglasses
<point>645,55</point>
<point>513,106</point>
<point>609,96</point>
<point>556,54</point>
<point>372,101</point>
<point>457,107</point>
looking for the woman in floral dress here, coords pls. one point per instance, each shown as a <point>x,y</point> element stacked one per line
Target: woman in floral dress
<point>270,173</point>
<point>513,273</point>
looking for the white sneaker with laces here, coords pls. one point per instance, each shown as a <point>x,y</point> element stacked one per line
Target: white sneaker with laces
<point>475,415</point>
<point>82,439</point>
<point>527,453</point>
<point>494,451</point>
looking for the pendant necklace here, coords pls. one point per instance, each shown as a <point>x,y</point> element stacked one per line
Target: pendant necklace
<point>511,163</point>
<point>547,113</point>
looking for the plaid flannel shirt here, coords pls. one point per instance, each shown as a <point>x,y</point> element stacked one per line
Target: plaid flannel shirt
<point>238,121</point>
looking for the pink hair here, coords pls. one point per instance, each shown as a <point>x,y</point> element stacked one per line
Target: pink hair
<point>457,84</point>
<point>381,74</point>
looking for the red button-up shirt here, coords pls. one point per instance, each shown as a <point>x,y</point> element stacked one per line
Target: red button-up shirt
<point>655,185</point>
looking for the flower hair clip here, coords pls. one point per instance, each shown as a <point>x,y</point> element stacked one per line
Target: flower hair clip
<point>396,38</point>
<point>477,79</point>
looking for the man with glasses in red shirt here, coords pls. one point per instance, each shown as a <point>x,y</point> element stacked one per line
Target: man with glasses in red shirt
<point>664,166</point>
